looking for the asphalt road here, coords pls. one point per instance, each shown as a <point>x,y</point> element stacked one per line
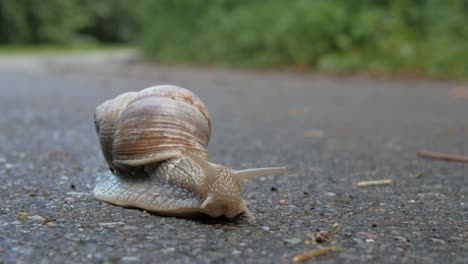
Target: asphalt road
<point>330,132</point>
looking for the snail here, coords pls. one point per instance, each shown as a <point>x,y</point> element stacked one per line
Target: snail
<point>155,143</point>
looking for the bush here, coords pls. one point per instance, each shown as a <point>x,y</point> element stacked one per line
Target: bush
<point>65,21</point>
<point>385,36</point>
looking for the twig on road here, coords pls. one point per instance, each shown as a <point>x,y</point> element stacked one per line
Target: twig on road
<point>374,182</point>
<point>442,156</point>
<point>315,253</point>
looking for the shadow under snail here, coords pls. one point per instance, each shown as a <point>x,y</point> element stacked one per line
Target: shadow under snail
<point>155,143</point>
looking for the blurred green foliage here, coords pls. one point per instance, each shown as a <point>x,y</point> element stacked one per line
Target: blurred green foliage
<point>374,36</point>
<point>66,21</point>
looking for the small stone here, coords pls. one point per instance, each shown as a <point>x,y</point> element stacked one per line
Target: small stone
<point>454,239</point>
<point>9,166</point>
<point>437,240</point>
<point>370,240</point>
<point>51,224</point>
<point>69,200</point>
<point>401,239</point>
<point>266,228</point>
<point>168,250</point>
<point>130,258</point>
<point>36,218</point>
<point>283,202</point>
<point>63,178</point>
<point>2,160</point>
<point>76,194</point>
<point>235,252</point>
<point>22,215</point>
<point>130,228</point>
<point>110,224</point>
<point>330,194</point>
<point>293,241</point>
<point>368,235</point>
<point>273,189</point>
<point>411,201</point>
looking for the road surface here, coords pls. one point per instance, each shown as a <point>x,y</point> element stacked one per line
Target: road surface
<point>330,132</point>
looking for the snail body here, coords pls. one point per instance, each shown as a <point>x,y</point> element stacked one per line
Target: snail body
<point>155,143</point>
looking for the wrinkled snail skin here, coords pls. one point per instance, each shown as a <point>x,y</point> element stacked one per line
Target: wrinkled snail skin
<point>154,142</point>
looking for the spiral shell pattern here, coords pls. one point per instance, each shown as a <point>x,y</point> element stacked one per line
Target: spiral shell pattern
<point>138,128</point>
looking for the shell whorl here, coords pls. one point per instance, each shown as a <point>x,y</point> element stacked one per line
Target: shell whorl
<point>138,128</point>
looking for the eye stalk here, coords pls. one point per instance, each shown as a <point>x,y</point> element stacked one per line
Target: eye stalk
<point>251,173</point>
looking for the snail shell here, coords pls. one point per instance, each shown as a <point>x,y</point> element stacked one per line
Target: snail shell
<point>155,143</point>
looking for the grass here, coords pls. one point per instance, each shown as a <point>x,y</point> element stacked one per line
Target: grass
<point>6,50</point>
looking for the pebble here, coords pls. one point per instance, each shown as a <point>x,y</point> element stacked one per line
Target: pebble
<point>130,228</point>
<point>69,200</point>
<point>401,239</point>
<point>168,250</point>
<point>235,252</point>
<point>368,235</point>
<point>266,228</point>
<point>432,194</point>
<point>110,224</point>
<point>22,215</point>
<point>437,240</point>
<point>330,194</point>
<point>283,202</point>
<point>37,218</point>
<point>454,239</point>
<point>9,166</point>
<point>130,258</point>
<point>22,250</point>
<point>370,240</point>
<point>76,194</point>
<point>293,241</point>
